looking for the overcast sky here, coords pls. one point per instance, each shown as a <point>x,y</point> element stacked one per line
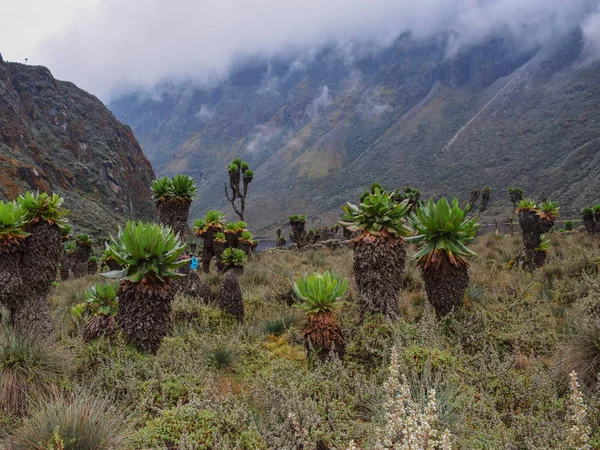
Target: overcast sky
<point>103,45</point>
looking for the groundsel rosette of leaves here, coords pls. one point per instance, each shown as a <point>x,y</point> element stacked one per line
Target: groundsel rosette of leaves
<point>12,221</point>
<point>377,214</point>
<point>320,292</point>
<point>147,251</point>
<point>442,230</point>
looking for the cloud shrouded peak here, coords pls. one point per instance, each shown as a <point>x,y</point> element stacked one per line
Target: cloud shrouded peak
<point>141,42</point>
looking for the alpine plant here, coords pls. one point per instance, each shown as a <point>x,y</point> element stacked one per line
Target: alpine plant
<point>173,197</point>
<point>38,260</point>
<point>320,294</point>
<point>379,253</point>
<point>535,221</point>
<point>442,232</point>
<point>150,255</point>
<point>100,308</point>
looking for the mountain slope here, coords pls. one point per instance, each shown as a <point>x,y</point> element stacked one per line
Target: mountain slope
<point>56,137</point>
<point>320,127</point>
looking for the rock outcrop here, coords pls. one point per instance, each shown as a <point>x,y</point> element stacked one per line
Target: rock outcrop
<point>57,137</point>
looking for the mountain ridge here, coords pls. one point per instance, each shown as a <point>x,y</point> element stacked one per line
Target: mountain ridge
<point>408,114</point>
<point>57,137</point>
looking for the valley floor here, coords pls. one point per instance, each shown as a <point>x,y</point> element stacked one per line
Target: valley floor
<point>499,365</point>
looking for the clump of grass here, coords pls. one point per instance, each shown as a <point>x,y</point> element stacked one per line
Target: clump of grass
<point>220,357</point>
<point>581,353</point>
<point>75,421</point>
<point>277,327</point>
<point>30,368</point>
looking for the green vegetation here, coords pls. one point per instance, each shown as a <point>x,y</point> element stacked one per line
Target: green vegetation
<point>320,294</point>
<point>149,255</point>
<point>442,233</point>
<point>499,365</point>
<point>12,220</point>
<point>240,176</point>
<point>43,208</point>
<point>148,252</point>
<point>78,421</point>
<point>379,254</point>
<point>30,368</point>
<point>234,258</point>
<point>179,187</point>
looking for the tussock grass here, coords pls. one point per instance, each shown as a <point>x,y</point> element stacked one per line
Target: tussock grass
<point>30,369</point>
<point>499,363</point>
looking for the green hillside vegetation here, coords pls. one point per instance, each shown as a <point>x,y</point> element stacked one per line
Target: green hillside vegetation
<point>499,363</point>
<point>404,114</point>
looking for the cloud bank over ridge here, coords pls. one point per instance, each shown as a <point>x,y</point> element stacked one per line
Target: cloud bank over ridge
<point>141,42</point>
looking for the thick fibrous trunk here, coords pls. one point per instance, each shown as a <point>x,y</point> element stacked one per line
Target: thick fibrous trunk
<point>588,222</point>
<point>298,235</point>
<point>533,227</point>
<point>485,199</point>
<point>174,213</point>
<point>11,275</point>
<point>92,267</point>
<point>80,261</point>
<point>323,336</point>
<point>232,240</point>
<point>445,286</point>
<point>144,313</point>
<point>378,266</point>
<point>230,296</point>
<point>97,326</point>
<point>218,249</point>
<point>41,256</point>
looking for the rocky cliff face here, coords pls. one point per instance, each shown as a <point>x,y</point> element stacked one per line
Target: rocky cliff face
<point>57,137</point>
<point>318,128</point>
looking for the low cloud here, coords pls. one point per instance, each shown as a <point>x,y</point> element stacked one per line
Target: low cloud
<point>591,33</point>
<point>264,134</point>
<point>205,114</point>
<point>142,42</point>
<point>322,101</point>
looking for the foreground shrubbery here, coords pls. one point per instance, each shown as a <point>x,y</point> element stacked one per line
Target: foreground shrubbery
<point>499,364</point>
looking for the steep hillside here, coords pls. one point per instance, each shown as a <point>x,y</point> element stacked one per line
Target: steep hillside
<point>319,127</point>
<point>56,137</point>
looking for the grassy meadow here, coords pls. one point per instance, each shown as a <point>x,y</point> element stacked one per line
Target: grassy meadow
<point>499,365</point>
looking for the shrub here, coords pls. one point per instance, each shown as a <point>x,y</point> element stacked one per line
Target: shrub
<point>73,421</point>
<point>30,368</point>
<point>277,327</point>
<point>234,257</point>
<point>220,357</point>
<point>200,429</point>
<point>581,353</point>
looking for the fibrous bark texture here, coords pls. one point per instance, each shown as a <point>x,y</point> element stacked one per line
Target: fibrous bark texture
<point>323,336</point>
<point>230,296</point>
<point>533,227</point>
<point>144,313</point>
<point>174,213</point>
<point>40,258</point>
<point>99,325</point>
<point>378,266</point>
<point>445,286</point>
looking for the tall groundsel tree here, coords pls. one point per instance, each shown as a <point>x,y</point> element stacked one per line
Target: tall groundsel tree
<point>379,253</point>
<point>12,236</point>
<point>149,254</point>
<point>173,198</point>
<point>442,232</point>
<point>320,294</point>
<point>40,257</point>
